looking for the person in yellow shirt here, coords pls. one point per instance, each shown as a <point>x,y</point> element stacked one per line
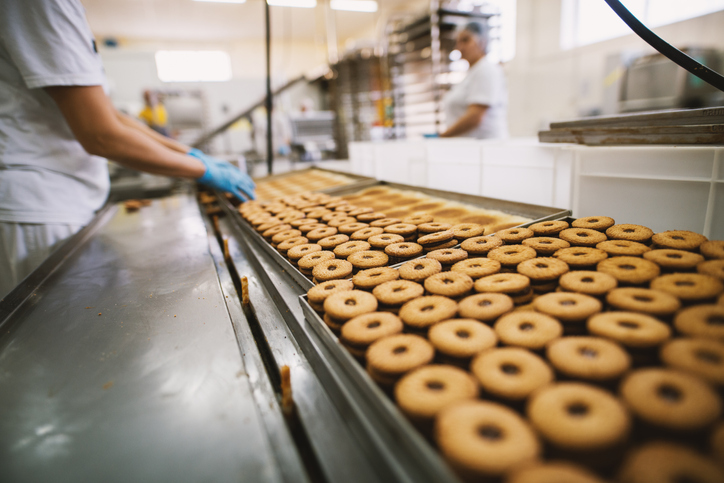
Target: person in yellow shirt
<point>154,113</point>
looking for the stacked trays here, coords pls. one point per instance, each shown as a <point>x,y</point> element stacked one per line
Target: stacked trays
<point>571,350</point>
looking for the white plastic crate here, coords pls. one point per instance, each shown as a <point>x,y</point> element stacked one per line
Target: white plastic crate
<point>454,165</point>
<point>362,158</point>
<point>662,187</point>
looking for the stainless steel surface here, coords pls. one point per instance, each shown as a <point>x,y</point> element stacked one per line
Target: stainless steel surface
<point>333,430</point>
<point>383,417</point>
<point>381,437</point>
<point>123,364</point>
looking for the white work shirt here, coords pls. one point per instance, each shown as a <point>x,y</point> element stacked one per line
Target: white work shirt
<point>484,84</point>
<point>45,174</point>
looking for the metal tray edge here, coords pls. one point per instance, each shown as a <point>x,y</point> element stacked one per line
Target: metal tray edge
<point>379,402</point>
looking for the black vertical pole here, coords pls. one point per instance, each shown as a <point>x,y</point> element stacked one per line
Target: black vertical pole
<point>269,147</point>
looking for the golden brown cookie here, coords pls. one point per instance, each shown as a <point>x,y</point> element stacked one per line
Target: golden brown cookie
<point>701,357</point>
<point>528,329</point>
<point>372,277</point>
<point>418,270</point>
<point>365,233</point>
<point>307,262</point>
<point>289,243</point>
<point>578,416</point>
<point>510,373</point>
<point>397,292</point>
<point>331,269</point>
<point>463,231</point>
<point>403,229</point>
<point>345,305</point>
<point>361,331</point>
<point>436,238</point>
<point>319,293</point>
<point>426,228</point>
<point>419,219</point>
<point>545,246</point>
<point>674,260</point>
<point>511,255</point>
<point>630,232</point>
<point>712,249</point>
<point>346,249</point>
<point>579,258</point>
<point>567,307</point>
<point>383,222</point>
<point>389,358</point>
<point>382,240</point>
<point>483,439</point>
<point>588,282</point>
<point>644,300</point>
<point>629,329</point>
<point>284,235</point>
<point>297,252</point>
<point>330,242</point>
<point>668,462</point>
<point>423,312</point>
<point>713,268</point>
<point>341,221</point>
<point>623,248</point>
<point>368,259</point>
<point>350,228</point>
<point>678,239</point>
<point>598,223</point>
<point>629,270</point>
<point>485,306</point>
<point>690,287</point>
<point>461,338</point>
<point>582,237</point>
<point>515,235</point>
<point>542,269</point>
<point>448,256</point>
<point>588,358</point>
<point>480,245</point>
<point>701,321</point>
<point>403,251</point>
<point>370,217</point>
<point>476,268</point>
<point>422,393</point>
<point>670,399</point>
<point>449,284</point>
<point>548,228</point>
<point>318,234</point>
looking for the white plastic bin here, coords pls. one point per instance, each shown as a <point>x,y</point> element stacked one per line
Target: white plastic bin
<point>454,165</point>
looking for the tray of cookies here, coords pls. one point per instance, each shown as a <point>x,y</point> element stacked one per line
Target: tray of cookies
<point>568,350</point>
<point>318,237</point>
<point>303,180</point>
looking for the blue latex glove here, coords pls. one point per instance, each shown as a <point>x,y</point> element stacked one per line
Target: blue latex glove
<point>225,176</point>
<point>431,136</point>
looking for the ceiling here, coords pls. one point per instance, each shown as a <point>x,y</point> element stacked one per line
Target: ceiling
<point>187,20</point>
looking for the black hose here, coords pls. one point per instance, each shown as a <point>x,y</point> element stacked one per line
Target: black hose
<point>701,71</point>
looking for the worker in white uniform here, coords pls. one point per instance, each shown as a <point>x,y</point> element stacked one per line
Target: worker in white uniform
<point>477,106</point>
<point>57,126</point>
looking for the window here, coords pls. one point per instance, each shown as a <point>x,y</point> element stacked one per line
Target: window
<point>585,22</point>
<point>193,66</point>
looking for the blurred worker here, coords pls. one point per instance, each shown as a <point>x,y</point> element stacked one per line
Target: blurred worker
<point>154,113</point>
<point>57,126</point>
<point>477,106</point>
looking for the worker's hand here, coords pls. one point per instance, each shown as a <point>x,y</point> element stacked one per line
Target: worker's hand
<point>225,176</point>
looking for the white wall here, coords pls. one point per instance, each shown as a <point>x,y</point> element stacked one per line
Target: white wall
<point>548,84</point>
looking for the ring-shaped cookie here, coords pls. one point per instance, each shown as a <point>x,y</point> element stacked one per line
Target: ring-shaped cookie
<point>548,228</point>
<point>397,292</point>
<point>629,329</point>
<point>343,306</point>
<point>372,277</point>
<point>587,282</point>
<point>588,358</point>
<point>330,242</point>
<point>678,239</point>
<point>702,357</point>
<point>670,399</point>
<point>527,329</point>
<point>485,307</point>
<point>567,307</point>
<point>598,223</point>
<point>461,338</point>
<point>702,321</point>
<point>512,255</point>
<point>510,373</point>
<point>578,416</point>
<point>423,392</point>
<point>449,284</point>
<point>344,250</point>
<point>690,287</point>
<point>545,246</point>
<point>476,268</point>
<point>629,270</point>
<point>480,245</point>
<point>623,248</point>
<point>582,237</point>
<point>423,312</point>
<point>330,269</point>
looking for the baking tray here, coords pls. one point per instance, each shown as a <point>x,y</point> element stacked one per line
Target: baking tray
<point>359,181</point>
<point>383,417</point>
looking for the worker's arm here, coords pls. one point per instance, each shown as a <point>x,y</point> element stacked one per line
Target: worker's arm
<point>468,121</point>
<point>96,125</point>
<point>139,126</point>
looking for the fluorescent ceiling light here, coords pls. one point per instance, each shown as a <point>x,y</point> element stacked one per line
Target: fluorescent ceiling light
<point>293,3</point>
<point>354,5</point>
<point>221,1</point>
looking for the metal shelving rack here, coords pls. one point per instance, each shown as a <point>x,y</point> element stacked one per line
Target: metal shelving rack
<point>418,55</point>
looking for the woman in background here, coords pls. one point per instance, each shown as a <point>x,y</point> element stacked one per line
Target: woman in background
<point>477,106</point>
